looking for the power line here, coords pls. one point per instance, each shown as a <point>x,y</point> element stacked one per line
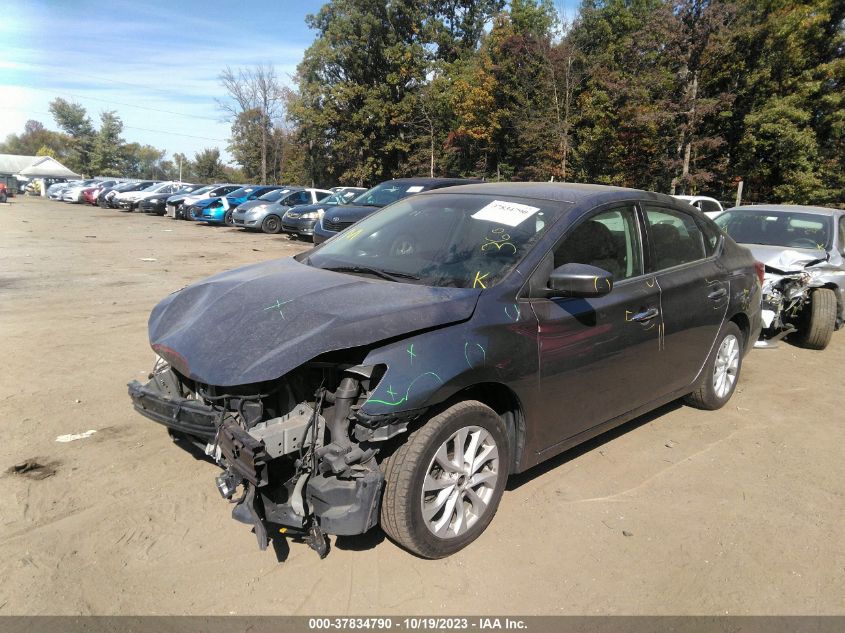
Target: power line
<point>127,127</point>
<point>128,105</point>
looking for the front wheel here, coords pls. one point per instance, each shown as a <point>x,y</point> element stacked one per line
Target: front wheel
<point>443,485</point>
<point>271,224</point>
<point>228,220</point>
<point>819,319</point>
<point>721,371</point>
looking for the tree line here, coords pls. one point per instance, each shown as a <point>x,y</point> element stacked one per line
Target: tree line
<point>684,96</point>
<point>102,151</point>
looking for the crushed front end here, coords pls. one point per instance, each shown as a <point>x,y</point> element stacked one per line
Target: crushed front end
<point>784,296</point>
<point>299,456</point>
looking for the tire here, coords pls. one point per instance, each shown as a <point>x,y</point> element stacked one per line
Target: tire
<point>272,224</point>
<point>819,319</point>
<point>721,371</point>
<point>415,461</point>
<point>228,220</point>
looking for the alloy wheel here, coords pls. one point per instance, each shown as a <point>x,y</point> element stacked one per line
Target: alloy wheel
<point>460,482</point>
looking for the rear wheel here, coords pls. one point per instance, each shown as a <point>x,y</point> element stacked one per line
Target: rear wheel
<point>228,220</point>
<point>271,224</point>
<point>443,485</point>
<point>721,371</point>
<point>819,319</point>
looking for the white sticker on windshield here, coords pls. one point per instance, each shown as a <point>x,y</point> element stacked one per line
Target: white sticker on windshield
<point>501,212</point>
<point>415,189</point>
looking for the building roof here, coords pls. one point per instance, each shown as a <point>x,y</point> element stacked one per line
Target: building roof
<point>34,167</point>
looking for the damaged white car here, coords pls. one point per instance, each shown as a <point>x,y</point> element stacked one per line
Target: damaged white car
<point>803,251</point>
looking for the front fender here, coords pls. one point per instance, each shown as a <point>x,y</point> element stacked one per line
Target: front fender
<point>498,345</point>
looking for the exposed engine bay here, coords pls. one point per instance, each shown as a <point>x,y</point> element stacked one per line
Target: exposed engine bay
<point>299,456</point>
<point>784,295</point>
<point>790,278</point>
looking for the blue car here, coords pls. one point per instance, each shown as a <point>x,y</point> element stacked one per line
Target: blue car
<point>219,211</point>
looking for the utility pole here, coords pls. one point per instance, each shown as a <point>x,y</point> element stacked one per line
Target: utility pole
<point>738,192</point>
<point>180,168</point>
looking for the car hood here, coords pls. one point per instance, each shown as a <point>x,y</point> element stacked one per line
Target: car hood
<point>785,259</point>
<point>350,212</point>
<point>259,322</point>
<point>253,204</point>
<point>204,202</point>
<point>305,208</point>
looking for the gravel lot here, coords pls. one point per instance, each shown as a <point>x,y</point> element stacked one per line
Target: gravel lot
<point>738,511</point>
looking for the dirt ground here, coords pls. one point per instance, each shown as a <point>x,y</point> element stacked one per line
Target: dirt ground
<point>738,511</point>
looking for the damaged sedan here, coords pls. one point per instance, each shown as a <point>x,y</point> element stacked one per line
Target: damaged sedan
<point>400,372</point>
<point>803,251</point>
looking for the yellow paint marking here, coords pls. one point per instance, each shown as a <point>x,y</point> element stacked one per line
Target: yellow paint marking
<point>479,279</point>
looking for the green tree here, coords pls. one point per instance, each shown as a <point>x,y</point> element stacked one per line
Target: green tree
<point>248,131</point>
<point>207,165</point>
<point>356,87</point>
<point>106,152</point>
<point>73,119</point>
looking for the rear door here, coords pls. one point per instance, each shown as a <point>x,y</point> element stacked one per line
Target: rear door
<point>694,292</point>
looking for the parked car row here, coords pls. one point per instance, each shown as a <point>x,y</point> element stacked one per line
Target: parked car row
<point>801,249</point>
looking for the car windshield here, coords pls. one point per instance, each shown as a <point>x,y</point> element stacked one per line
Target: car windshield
<point>205,189</point>
<point>457,240</point>
<point>777,228</point>
<point>387,193</point>
<point>242,192</point>
<point>274,195</point>
<point>341,197</point>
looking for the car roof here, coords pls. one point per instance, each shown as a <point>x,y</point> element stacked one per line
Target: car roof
<point>434,181</point>
<point>553,191</point>
<point>680,197</point>
<point>787,208</point>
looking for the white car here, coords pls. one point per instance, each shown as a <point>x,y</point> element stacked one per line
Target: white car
<point>708,206</point>
<point>126,200</point>
<point>74,193</point>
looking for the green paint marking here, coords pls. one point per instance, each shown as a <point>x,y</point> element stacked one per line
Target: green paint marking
<point>278,306</point>
<point>407,391</point>
<point>410,351</point>
<point>391,393</point>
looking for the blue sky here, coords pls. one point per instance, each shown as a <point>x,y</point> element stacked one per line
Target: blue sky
<point>156,63</point>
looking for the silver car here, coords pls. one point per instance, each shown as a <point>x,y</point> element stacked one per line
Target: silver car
<point>803,251</point>
<point>267,217</point>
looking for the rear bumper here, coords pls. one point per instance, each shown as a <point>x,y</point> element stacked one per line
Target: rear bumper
<point>178,414</point>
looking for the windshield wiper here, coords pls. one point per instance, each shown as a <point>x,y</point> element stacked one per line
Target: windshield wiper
<point>384,274</point>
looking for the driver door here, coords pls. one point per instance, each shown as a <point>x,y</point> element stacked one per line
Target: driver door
<point>596,354</point>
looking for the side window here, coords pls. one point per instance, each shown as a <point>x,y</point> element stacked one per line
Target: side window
<point>608,240</point>
<point>708,206</point>
<point>675,237</point>
<point>711,235</point>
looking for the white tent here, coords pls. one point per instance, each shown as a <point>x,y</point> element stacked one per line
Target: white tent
<point>46,167</point>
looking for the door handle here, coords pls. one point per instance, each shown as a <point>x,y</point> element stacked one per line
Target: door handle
<point>648,315</point>
<point>721,293</point>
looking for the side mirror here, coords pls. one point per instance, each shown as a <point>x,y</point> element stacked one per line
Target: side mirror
<point>580,280</point>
